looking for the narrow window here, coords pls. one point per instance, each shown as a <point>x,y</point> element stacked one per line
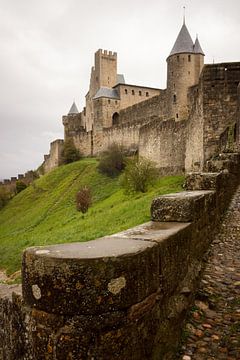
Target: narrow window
<point>177,115</point>
<point>133,92</point>
<point>174,86</point>
<point>140,93</point>
<point>115,118</point>
<point>109,101</point>
<point>178,58</point>
<point>189,58</point>
<point>125,91</point>
<point>174,99</point>
<point>116,102</point>
<point>147,94</point>
<point>235,132</point>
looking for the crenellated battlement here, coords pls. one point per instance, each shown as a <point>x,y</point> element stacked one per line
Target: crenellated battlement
<point>107,53</point>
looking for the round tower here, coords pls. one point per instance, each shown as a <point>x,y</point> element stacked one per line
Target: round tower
<point>184,65</point>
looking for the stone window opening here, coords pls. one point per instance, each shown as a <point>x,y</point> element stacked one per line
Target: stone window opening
<point>174,98</point>
<point>109,101</point>
<point>115,118</point>
<point>147,94</point>
<point>178,58</point>
<point>133,92</point>
<point>235,133</point>
<point>189,58</point>
<point>126,91</point>
<point>177,115</point>
<point>140,93</point>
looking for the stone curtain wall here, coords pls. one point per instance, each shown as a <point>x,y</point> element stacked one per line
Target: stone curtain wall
<point>123,296</point>
<point>54,158</point>
<point>126,135</point>
<point>194,160</point>
<point>220,99</point>
<point>164,143</point>
<point>156,106</point>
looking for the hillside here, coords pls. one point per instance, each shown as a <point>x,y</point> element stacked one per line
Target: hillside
<point>45,212</point>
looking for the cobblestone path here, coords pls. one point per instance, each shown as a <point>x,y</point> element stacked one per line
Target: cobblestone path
<point>213,327</point>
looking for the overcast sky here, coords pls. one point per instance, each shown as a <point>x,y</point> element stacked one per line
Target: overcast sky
<point>47,50</point>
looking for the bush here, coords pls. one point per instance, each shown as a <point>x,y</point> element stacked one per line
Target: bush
<point>20,186</point>
<point>139,175</point>
<point>112,161</point>
<point>83,199</point>
<point>4,197</point>
<point>70,153</point>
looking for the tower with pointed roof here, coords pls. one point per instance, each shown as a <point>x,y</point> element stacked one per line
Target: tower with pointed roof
<point>184,66</point>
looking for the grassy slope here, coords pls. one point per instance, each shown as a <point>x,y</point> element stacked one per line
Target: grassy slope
<point>45,212</point>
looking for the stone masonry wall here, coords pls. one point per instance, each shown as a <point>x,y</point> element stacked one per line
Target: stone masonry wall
<point>126,135</point>
<point>156,106</point>
<point>123,296</point>
<point>164,143</point>
<point>194,160</point>
<point>132,94</point>
<point>220,99</point>
<point>238,120</point>
<point>53,160</point>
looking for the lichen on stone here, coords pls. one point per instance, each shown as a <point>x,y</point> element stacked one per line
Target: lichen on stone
<point>116,285</point>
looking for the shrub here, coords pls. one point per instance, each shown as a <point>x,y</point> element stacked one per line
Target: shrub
<point>83,199</point>
<point>139,175</point>
<point>20,186</point>
<point>4,197</point>
<point>112,161</point>
<point>70,153</point>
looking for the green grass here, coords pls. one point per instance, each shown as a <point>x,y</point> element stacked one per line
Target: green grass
<point>45,212</point>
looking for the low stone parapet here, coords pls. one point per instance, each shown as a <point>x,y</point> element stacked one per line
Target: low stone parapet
<point>122,296</point>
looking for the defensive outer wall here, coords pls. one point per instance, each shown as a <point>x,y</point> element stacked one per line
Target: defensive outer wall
<point>175,146</point>
<point>123,296</point>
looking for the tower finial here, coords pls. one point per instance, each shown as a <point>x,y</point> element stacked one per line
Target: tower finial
<point>184,8</point>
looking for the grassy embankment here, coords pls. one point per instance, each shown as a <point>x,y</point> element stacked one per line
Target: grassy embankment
<point>45,212</point>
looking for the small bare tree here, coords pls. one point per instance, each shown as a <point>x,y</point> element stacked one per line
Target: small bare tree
<point>83,199</point>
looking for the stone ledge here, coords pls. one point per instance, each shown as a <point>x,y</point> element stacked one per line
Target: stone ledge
<point>204,181</point>
<point>186,206</point>
<point>92,277</point>
<point>153,231</point>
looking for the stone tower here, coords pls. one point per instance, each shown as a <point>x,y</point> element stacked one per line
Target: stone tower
<point>103,75</point>
<point>184,66</point>
<point>105,69</point>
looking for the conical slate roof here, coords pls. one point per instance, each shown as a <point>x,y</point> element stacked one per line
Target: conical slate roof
<point>74,109</point>
<point>197,47</point>
<point>184,43</point>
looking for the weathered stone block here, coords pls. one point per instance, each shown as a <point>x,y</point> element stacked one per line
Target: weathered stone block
<point>181,207</point>
<point>98,276</point>
<point>203,181</point>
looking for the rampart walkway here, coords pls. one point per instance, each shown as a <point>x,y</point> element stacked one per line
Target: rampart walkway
<point>213,327</point>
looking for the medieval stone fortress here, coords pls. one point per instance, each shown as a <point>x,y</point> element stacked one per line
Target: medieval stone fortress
<point>179,128</point>
<point>125,295</point>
